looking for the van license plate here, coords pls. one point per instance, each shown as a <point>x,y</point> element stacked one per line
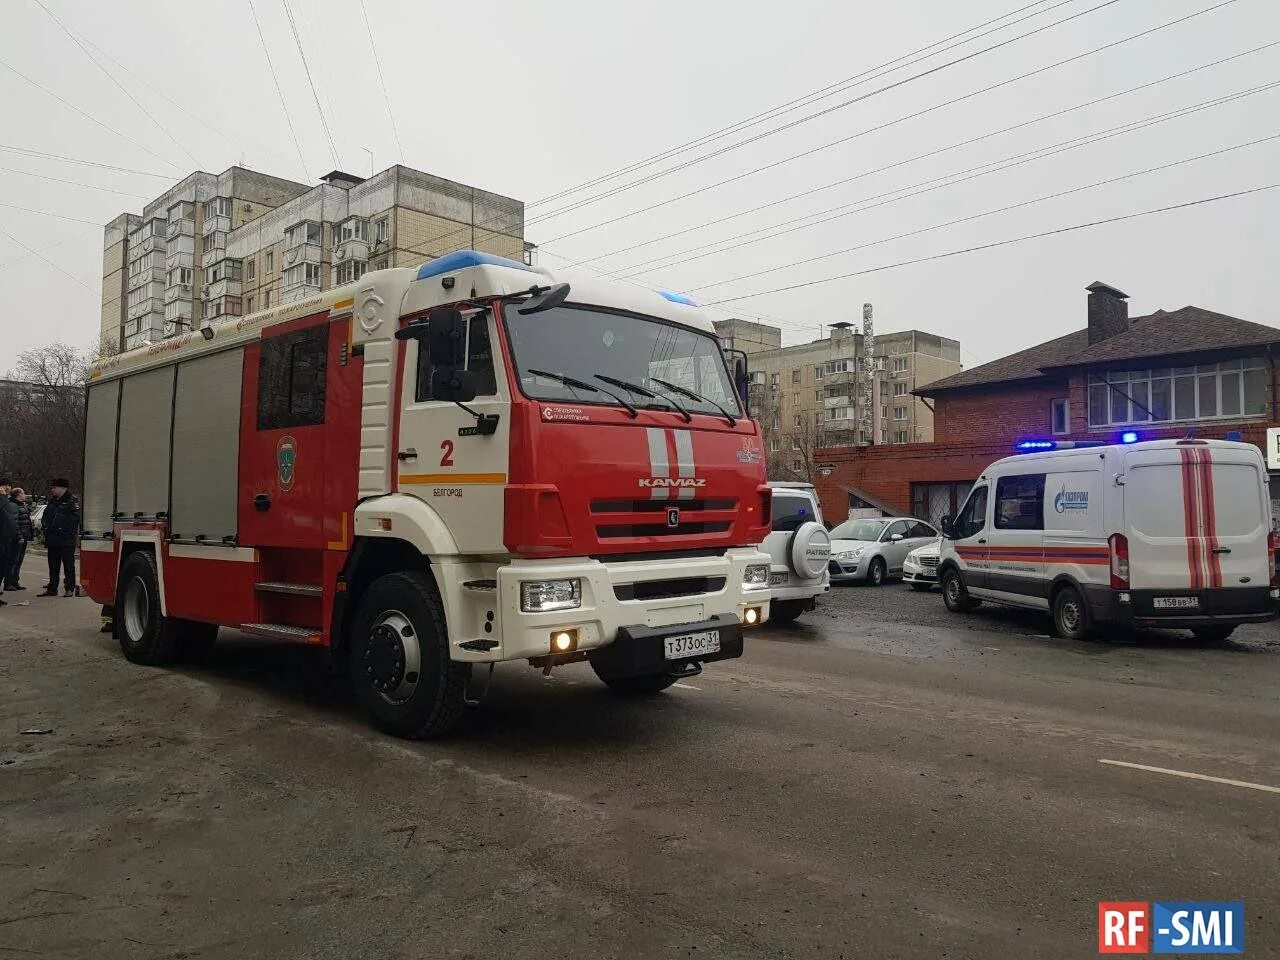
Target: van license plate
<point>1176,603</point>
<point>692,644</point>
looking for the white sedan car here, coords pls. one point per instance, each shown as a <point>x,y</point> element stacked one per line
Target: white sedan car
<point>875,549</point>
<point>920,569</point>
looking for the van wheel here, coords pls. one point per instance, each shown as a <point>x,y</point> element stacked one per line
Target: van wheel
<point>646,684</point>
<point>146,636</point>
<point>954,596</point>
<point>785,611</point>
<point>1070,614</point>
<point>876,572</point>
<point>398,658</point>
<point>1207,636</point>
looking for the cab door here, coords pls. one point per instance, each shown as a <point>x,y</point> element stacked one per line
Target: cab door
<point>441,455</point>
<point>969,539</point>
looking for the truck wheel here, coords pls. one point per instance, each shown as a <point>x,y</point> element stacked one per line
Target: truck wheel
<point>876,572</point>
<point>399,658</point>
<point>1208,636</point>
<point>646,684</point>
<point>146,635</point>
<point>1070,615</point>
<point>785,611</point>
<point>954,596</point>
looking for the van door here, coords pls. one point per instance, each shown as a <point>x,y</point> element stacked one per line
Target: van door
<point>970,537</point>
<point>1016,552</point>
<point>1196,517</point>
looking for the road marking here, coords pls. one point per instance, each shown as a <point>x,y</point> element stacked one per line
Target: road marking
<point>1192,776</point>
<point>686,686</point>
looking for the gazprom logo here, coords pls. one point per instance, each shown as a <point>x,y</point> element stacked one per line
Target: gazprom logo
<point>1071,500</point>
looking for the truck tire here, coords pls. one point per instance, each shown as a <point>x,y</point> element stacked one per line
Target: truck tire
<point>644,685</point>
<point>146,636</point>
<point>954,595</point>
<point>785,611</point>
<point>398,658</point>
<point>1207,636</point>
<point>809,550</point>
<point>1071,619</point>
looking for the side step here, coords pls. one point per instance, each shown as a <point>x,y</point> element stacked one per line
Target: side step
<point>296,589</point>
<point>282,631</point>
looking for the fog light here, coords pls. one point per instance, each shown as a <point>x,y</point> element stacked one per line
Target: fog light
<point>752,616</point>
<point>562,641</point>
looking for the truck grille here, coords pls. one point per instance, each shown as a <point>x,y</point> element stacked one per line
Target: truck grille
<point>660,506</point>
<point>612,532</point>
<point>635,519</point>
<point>663,589</point>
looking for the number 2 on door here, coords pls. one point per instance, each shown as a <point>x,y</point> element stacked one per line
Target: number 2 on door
<point>446,453</point>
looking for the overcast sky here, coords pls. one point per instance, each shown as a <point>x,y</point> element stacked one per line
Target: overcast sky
<point>530,99</point>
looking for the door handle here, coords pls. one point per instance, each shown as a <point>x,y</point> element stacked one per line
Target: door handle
<point>410,454</point>
<point>983,540</point>
<point>1221,549</point>
<point>262,503</point>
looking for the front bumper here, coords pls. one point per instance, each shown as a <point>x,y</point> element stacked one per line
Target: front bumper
<point>919,573</point>
<point>785,585</point>
<point>842,571</point>
<point>640,651</point>
<point>706,588</point>
<point>1229,606</point>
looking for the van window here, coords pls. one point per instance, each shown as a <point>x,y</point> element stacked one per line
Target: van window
<point>1020,502</point>
<point>973,516</point>
<point>790,511</point>
<point>479,362</point>
<point>1155,501</point>
<point>291,378</point>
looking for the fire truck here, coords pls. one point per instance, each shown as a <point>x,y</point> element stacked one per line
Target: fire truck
<point>429,471</point>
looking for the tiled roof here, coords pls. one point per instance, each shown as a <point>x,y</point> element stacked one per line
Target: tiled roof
<point>1024,365</point>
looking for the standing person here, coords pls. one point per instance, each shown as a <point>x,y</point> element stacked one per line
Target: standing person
<point>8,529</point>
<point>26,533</point>
<point>60,523</point>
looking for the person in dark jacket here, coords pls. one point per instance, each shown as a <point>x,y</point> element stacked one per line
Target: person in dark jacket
<point>60,524</point>
<point>8,528</point>
<point>22,514</point>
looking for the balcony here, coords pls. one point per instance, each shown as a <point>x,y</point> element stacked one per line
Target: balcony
<point>215,224</point>
<point>351,250</point>
<point>226,287</point>
<point>302,253</point>
<point>149,243</point>
<point>179,310</point>
<point>140,278</point>
<point>181,228</point>
<point>843,400</point>
<point>179,291</point>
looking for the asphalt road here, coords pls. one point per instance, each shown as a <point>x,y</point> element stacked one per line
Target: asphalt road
<point>881,780</point>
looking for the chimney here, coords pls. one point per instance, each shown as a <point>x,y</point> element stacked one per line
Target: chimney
<point>1108,312</point>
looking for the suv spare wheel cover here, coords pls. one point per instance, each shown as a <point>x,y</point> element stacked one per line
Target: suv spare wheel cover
<point>809,550</point>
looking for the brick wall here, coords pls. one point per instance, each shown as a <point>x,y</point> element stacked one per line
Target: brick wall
<point>1007,413</point>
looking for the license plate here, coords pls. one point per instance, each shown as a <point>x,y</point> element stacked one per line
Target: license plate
<point>777,578</point>
<point>1176,603</point>
<point>692,644</point>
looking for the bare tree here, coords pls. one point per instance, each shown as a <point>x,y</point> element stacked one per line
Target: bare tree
<point>791,448</point>
<point>43,413</point>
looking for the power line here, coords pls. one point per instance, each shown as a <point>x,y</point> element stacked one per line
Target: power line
<point>382,82</point>
<point>826,110</point>
<point>85,50</point>
<point>293,26</point>
<point>23,151</point>
<point>946,180</point>
<point>74,183</point>
<point>78,236</point>
<point>36,253</point>
<point>806,99</point>
<point>988,213</point>
<point>276,80</point>
<point>47,213</point>
<point>911,116</point>
<point>87,116</point>
<point>1004,243</point>
<point>920,156</point>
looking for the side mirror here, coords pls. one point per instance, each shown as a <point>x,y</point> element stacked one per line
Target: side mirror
<point>453,384</point>
<point>447,337</point>
<point>550,297</point>
<point>895,537</point>
<point>947,525</point>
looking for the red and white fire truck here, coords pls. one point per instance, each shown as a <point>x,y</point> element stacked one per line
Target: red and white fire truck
<point>431,469</point>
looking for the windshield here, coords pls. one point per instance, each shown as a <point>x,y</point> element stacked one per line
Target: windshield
<point>859,530</point>
<point>584,344</point>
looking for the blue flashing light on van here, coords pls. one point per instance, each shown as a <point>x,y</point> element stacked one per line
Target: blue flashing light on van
<point>1026,446</point>
<point>1129,436</point>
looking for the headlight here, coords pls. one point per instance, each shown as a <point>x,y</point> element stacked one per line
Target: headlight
<point>756,575</point>
<point>537,596</point>
<point>849,554</point>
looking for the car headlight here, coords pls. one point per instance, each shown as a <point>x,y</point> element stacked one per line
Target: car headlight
<point>755,575</point>
<point>537,596</point>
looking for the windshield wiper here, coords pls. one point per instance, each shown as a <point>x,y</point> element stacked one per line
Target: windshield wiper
<point>642,392</point>
<point>583,385</point>
<point>698,397</point>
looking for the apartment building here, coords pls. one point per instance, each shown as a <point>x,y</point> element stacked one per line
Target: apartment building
<point>240,241</point>
<point>810,396</point>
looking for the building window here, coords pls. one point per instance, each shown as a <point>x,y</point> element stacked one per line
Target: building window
<point>380,264</point>
<point>795,444</point>
<point>1020,502</point>
<point>899,413</point>
<point>270,265</point>
<point>353,229</point>
<point>817,372</point>
<point>795,376</point>
<point>217,207</point>
<point>899,436</point>
<point>179,276</point>
<point>840,413</point>
<point>302,274</point>
<point>899,364</point>
<point>222,270</point>
<point>899,389</point>
<point>348,272</point>
<point>1061,416</point>
<point>381,228</point>
<point>248,304</point>
<point>266,298</point>
<point>795,399</point>
<point>775,379</point>
<point>795,420</point>
<point>755,410</point>
<point>1207,391</point>
<point>795,466</point>
<point>817,396</point>
<point>841,366</point>
<point>291,378</point>
<point>306,232</point>
<point>250,268</point>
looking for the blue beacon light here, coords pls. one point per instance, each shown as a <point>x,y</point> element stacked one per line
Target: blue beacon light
<point>1026,446</point>
<point>1129,436</point>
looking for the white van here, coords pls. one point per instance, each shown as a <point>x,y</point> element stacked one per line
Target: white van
<point>1164,533</point>
<point>799,551</point>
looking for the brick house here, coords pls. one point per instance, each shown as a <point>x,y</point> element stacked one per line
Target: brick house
<point>1158,375</point>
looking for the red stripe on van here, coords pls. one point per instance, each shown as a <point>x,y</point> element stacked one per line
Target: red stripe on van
<point>1190,516</point>
<point>1210,543</point>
